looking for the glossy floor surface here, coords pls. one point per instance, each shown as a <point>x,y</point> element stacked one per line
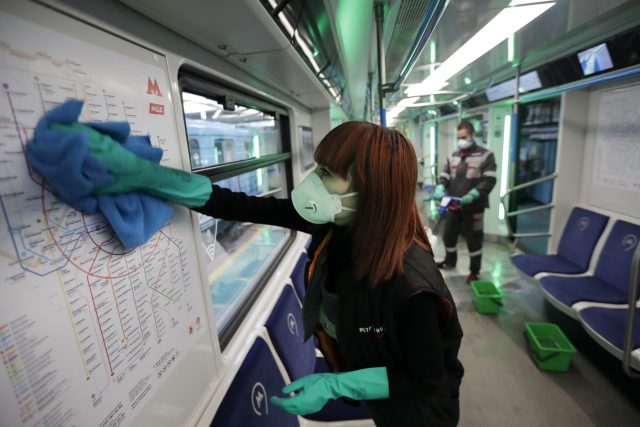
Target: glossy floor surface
<point>502,386</point>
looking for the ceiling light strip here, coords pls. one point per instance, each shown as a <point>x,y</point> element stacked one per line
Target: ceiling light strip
<point>507,22</point>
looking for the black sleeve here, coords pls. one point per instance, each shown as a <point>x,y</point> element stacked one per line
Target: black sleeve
<point>226,204</point>
<point>422,345</point>
<point>445,174</point>
<point>488,177</point>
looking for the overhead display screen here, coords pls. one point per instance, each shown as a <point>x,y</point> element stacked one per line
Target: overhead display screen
<point>595,59</point>
<point>528,82</point>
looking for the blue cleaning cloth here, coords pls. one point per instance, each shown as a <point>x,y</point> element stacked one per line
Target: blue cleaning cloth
<point>74,174</point>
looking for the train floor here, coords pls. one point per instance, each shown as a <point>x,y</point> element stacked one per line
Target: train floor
<point>502,386</point>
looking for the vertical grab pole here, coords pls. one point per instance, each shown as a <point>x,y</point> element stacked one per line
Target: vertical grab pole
<point>379,10</point>
<point>514,148</point>
<point>371,95</point>
<point>631,314</point>
<point>514,117</point>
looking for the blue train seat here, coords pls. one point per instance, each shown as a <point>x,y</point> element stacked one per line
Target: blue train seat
<point>246,403</point>
<point>297,276</point>
<point>610,282</point>
<point>285,329</point>
<point>606,326</point>
<point>579,238</point>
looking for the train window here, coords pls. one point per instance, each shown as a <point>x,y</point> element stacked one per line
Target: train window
<point>224,136</point>
<point>239,254</point>
<point>241,144</point>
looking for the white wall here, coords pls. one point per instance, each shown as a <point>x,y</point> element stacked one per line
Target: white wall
<point>612,198</point>
<point>412,130</point>
<point>431,176</point>
<point>579,117</point>
<point>299,118</point>
<point>447,134</point>
<point>321,124</point>
<point>493,225</point>
<point>569,161</point>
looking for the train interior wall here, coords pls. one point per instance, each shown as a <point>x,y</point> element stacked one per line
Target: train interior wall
<point>576,160</point>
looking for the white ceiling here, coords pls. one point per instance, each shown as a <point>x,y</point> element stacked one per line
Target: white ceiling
<point>249,33</point>
<point>240,30</point>
<point>463,18</point>
<point>353,37</point>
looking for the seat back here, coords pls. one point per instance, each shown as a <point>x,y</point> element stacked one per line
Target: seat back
<point>285,329</point>
<point>580,236</point>
<point>246,402</point>
<point>297,276</point>
<point>614,264</point>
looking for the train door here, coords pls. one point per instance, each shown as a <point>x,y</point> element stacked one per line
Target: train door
<point>536,147</point>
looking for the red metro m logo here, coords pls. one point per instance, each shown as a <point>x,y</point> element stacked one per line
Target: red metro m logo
<point>153,88</point>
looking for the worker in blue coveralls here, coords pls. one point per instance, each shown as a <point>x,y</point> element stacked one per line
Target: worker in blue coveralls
<point>469,173</point>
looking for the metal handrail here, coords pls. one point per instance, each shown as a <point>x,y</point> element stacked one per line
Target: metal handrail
<point>525,211</point>
<point>631,315</point>
<point>528,210</point>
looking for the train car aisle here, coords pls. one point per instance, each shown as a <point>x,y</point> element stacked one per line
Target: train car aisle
<point>502,386</point>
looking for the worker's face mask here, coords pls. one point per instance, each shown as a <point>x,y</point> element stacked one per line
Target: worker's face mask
<point>465,144</point>
<point>315,204</point>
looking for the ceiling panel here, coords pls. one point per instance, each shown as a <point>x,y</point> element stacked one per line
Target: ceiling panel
<point>352,22</point>
<point>290,76</point>
<point>405,30</point>
<point>463,18</point>
<point>239,30</point>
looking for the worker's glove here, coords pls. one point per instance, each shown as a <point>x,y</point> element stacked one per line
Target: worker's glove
<point>470,197</point>
<point>438,194</point>
<point>313,391</point>
<point>133,173</point>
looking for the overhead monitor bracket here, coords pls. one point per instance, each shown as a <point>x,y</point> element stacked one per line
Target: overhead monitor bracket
<point>228,103</point>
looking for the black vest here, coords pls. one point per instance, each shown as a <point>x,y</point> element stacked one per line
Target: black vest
<point>366,331</point>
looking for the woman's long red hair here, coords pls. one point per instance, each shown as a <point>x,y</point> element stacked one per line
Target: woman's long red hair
<point>384,169</point>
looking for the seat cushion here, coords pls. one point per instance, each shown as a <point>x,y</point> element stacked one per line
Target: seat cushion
<point>580,236</point>
<point>614,262</point>
<point>570,290</point>
<point>246,402</point>
<point>285,330</point>
<point>299,358</point>
<point>534,264</point>
<point>610,323</point>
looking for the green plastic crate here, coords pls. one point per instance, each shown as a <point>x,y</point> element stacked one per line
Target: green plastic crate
<point>486,297</point>
<point>550,349</point>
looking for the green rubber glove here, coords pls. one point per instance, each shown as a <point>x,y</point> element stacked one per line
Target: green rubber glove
<point>470,197</point>
<point>313,391</point>
<point>133,173</point>
<point>438,194</point>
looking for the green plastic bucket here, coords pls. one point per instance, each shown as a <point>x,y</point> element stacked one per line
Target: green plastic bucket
<point>486,297</point>
<point>548,346</point>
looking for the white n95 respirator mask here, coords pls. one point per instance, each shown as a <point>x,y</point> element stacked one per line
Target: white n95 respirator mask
<point>464,144</point>
<point>314,203</point>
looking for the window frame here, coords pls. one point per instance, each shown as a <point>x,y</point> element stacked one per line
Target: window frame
<point>193,81</point>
